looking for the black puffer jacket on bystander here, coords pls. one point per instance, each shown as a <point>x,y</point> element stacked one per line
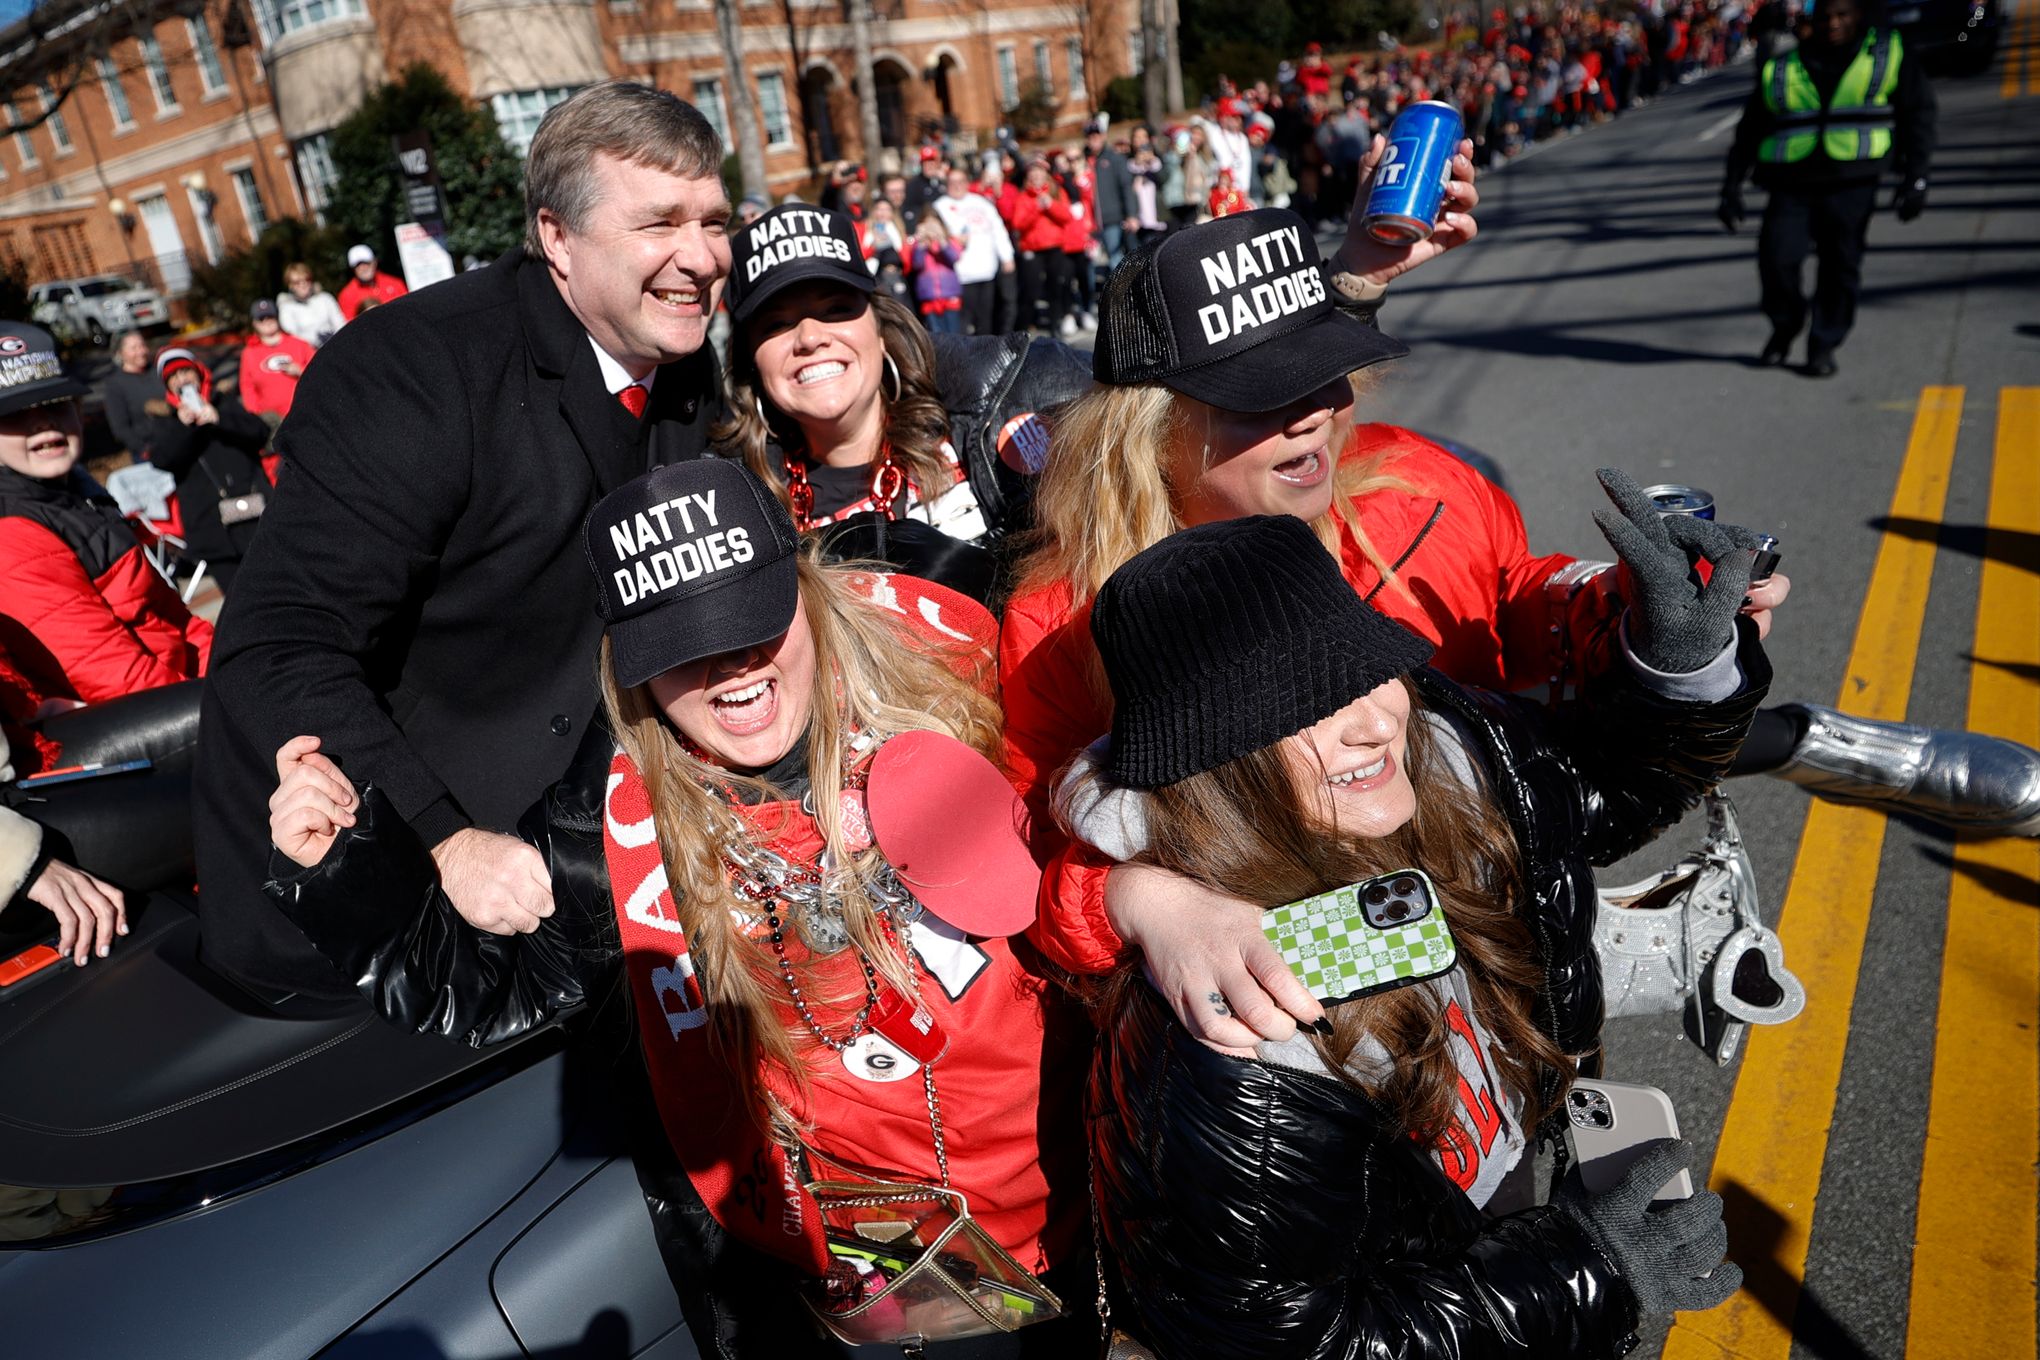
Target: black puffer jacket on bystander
<point>1257,1211</point>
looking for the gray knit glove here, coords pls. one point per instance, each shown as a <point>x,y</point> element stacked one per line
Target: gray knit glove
<point>1675,624</point>
<point>1670,1257</point>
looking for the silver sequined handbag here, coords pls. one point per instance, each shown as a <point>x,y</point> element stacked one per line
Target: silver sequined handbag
<point>1690,940</point>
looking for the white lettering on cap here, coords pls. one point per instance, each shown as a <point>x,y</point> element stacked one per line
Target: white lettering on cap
<point>1264,303</point>
<point>795,234</point>
<point>1253,258</point>
<point>672,543</point>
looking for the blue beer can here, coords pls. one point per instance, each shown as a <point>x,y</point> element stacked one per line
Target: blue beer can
<point>1409,184</point>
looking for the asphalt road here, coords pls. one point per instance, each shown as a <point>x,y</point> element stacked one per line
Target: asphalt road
<point>1604,318</point>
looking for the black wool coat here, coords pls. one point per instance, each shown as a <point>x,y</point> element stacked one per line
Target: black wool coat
<point>419,597</point>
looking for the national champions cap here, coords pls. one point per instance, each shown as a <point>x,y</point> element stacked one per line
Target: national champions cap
<point>1234,313</point>
<point>690,561</point>
<point>31,372</point>
<point>793,243</point>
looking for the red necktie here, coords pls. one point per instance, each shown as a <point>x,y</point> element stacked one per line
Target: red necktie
<point>634,398</point>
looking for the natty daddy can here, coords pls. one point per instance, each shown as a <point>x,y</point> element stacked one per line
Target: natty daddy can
<point>1409,184</point>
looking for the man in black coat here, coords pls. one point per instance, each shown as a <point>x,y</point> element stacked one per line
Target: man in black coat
<point>1112,192</point>
<point>418,597</point>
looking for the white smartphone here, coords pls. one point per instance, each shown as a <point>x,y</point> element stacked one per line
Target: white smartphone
<point>1607,1124</point>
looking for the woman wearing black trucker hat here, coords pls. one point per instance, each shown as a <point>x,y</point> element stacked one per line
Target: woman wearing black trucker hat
<point>809,1008</point>
<point>1365,1189</point>
<point>842,402</point>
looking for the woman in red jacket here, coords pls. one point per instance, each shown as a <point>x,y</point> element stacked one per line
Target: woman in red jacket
<point>85,615</point>
<point>1040,213</point>
<point>1237,402</point>
<point>746,886</point>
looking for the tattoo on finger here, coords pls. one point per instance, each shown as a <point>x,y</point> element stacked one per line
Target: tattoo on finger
<point>1217,1000</point>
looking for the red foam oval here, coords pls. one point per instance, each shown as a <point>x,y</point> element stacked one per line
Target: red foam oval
<point>949,823</point>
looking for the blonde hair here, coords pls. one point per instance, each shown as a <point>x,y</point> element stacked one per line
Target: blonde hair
<point>1105,492</point>
<point>875,676</point>
<point>916,422</point>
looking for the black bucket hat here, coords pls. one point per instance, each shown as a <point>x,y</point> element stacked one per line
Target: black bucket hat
<point>1228,637</point>
<point>691,560</point>
<point>1235,313</point>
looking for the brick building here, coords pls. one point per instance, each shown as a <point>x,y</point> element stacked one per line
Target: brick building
<point>147,136</point>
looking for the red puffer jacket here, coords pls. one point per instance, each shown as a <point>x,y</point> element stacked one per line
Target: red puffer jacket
<point>1037,226</point>
<point>1468,582</point>
<point>84,614</point>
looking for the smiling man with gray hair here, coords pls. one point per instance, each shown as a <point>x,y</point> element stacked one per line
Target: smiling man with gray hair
<point>417,596</point>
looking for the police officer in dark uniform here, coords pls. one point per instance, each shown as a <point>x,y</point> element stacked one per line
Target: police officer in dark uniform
<point>1819,128</point>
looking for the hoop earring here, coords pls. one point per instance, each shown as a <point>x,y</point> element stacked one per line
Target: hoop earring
<point>763,419</point>
<point>898,387</point>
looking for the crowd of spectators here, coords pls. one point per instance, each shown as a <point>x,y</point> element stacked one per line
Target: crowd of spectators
<point>1064,215</point>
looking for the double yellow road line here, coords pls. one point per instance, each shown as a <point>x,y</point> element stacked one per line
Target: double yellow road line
<point>1972,1289</point>
<point>2021,42</point>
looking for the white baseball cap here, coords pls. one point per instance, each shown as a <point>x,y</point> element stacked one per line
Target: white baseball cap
<point>359,255</point>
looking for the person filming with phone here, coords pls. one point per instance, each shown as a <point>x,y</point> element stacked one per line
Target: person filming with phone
<point>1362,1186</point>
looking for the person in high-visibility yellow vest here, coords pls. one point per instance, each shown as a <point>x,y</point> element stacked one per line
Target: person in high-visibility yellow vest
<point>1821,126</point>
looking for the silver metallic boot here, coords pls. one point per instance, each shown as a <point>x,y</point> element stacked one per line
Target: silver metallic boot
<point>1963,780</point>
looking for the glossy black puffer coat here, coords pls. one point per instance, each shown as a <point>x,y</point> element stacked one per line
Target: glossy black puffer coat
<point>1257,1211</point>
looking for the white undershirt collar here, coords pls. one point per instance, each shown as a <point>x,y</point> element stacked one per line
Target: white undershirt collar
<point>615,376</point>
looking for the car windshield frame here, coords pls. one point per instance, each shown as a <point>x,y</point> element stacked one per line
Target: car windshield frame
<point>95,288</point>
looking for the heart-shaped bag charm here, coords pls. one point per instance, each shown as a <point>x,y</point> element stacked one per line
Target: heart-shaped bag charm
<point>949,824</point>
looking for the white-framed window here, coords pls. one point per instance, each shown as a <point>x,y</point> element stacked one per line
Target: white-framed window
<point>772,109</point>
<point>1043,71</point>
<point>708,97</point>
<point>316,172</point>
<point>60,132</point>
<point>159,75</point>
<point>22,142</point>
<point>278,17</point>
<point>250,196</point>
<point>1009,78</point>
<point>211,75</point>
<point>1073,60</point>
<point>208,228</point>
<point>518,112</point>
<point>1136,51</point>
<point>116,95</point>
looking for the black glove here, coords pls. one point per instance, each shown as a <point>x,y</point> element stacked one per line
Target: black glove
<point>1911,199</point>
<point>1675,624</point>
<point>1730,210</point>
<point>1670,1257</point>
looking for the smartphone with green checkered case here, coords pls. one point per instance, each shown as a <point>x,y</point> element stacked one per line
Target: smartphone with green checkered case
<point>1372,936</point>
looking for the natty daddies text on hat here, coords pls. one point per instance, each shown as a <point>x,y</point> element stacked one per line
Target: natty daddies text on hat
<point>674,541</point>
<point>1257,281</point>
<point>795,234</point>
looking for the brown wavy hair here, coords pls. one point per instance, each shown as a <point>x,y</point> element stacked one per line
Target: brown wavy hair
<point>916,422</point>
<point>1244,829</point>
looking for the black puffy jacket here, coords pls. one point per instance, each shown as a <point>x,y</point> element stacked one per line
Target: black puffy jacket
<point>1259,1211</point>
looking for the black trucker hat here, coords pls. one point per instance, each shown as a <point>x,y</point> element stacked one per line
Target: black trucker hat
<point>691,560</point>
<point>31,373</point>
<point>1235,313</point>
<point>793,243</point>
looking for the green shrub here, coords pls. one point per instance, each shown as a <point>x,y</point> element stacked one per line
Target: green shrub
<point>1033,118</point>
<point>1125,100</point>
<point>482,175</point>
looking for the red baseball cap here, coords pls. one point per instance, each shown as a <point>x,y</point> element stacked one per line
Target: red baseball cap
<point>931,153</point>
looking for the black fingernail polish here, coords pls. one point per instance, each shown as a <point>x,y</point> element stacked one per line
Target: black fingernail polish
<point>1323,1025</point>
